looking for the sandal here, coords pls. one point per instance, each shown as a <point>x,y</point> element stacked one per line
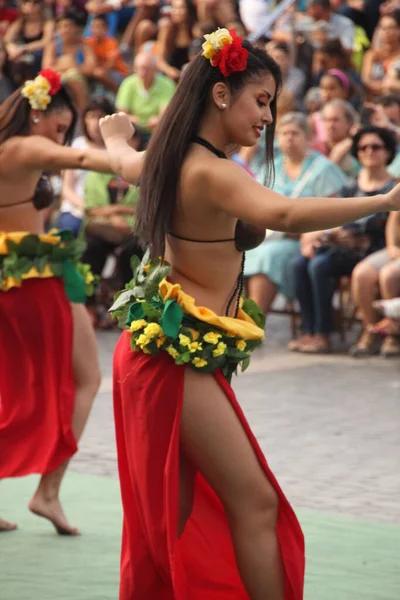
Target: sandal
<point>391,347</point>
<point>295,345</point>
<point>385,327</point>
<point>368,344</point>
<point>318,345</point>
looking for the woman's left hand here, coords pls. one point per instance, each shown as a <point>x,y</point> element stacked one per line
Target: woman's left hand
<point>116,127</point>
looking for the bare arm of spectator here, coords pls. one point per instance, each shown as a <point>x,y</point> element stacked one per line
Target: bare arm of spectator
<point>372,85</point>
<point>340,150</point>
<point>392,234</point>
<point>89,61</point>
<point>17,50</point>
<point>49,59</point>
<point>165,39</point>
<point>68,191</point>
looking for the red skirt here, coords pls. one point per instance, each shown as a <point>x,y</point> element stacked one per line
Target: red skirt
<point>36,378</point>
<point>155,564</point>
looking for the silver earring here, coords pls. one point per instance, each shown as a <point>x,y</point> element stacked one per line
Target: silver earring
<point>223,106</point>
<point>36,120</point>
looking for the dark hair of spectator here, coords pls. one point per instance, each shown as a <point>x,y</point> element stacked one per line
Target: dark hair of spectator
<point>335,49</point>
<point>282,46</point>
<point>388,138</point>
<point>15,114</point>
<point>101,18</point>
<point>388,100</point>
<point>75,16</point>
<point>191,13</point>
<point>177,128</point>
<point>100,104</point>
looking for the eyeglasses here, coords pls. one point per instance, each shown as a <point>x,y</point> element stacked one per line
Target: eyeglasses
<point>373,147</point>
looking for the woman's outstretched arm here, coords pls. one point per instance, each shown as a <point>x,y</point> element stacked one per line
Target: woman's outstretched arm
<point>229,188</point>
<point>117,131</point>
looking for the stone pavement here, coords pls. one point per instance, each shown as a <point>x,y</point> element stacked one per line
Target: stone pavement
<point>329,426</point>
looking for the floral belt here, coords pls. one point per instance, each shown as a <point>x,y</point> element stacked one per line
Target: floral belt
<point>160,316</point>
<point>56,254</point>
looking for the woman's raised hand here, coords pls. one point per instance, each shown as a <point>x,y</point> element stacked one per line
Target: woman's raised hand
<point>394,198</point>
<point>117,126</point>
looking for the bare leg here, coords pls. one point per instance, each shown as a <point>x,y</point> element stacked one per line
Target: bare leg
<point>45,501</point>
<point>145,30</point>
<point>213,439</point>
<point>262,291</point>
<point>6,525</point>
<point>364,289</point>
<point>389,281</point>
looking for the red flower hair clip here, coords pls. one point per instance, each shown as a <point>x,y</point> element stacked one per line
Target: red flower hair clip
<point>224,50</point>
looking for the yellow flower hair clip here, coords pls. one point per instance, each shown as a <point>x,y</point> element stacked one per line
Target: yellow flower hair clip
<point>39,91</point>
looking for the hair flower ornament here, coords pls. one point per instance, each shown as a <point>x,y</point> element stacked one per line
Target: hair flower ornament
<point>224,50</point>
<point>39,91</point>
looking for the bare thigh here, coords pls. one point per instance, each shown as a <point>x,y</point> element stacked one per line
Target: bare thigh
<point>213,440</point>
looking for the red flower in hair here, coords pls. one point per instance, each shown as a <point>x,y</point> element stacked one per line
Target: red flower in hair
<point>232,58</point>
<point>54,80</point>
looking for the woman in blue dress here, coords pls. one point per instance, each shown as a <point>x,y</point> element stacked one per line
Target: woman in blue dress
<point>299,172</point>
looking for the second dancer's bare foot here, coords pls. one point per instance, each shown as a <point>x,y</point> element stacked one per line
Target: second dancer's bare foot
<point>6,526</point>
<point>51,510</point>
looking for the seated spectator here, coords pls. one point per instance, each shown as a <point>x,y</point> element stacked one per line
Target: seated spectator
<point>174,38</point>
<point>110,69</point>
<point>299,172</point>
<point>333,56</point>
<point>26,39</point>
<point>7,85</point>
<point>110,207</point>
<point>71,57</point>
<point>377,60</point>
<point>7,16</point>
<point>293,79</point>
<point>327,256</point>
<point>72,206</point>
<point>145,95</point>
<point>143,25</point>
<point>334,138</point>
<point>313,101</point>
<point>222,12</point>
<point>318,12</point>
<point>117,12</point>
<point>378,275</point>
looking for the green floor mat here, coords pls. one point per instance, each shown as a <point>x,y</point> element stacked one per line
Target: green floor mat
<point>347,559</point>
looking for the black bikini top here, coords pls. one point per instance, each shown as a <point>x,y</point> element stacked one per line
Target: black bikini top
<point>42,198</point>
<point>247,236</point>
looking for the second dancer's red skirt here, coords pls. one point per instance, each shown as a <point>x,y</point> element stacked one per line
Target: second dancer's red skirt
<point>155,564</point>
<point>36,378</point>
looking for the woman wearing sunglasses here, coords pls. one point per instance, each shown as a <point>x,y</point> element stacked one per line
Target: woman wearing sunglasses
<point>203,514</point>
<point>327,256</point>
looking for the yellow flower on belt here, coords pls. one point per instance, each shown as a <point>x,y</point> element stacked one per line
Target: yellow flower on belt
<point>215,41</point>
<point>219,350</point>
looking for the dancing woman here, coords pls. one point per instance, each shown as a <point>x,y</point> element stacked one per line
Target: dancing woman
<point>48,356</point>
<point>204,517</point>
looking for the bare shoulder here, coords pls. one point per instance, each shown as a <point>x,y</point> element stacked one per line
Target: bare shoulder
<point>207,176</point>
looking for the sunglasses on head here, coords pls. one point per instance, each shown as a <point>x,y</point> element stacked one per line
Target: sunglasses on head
<point>373,147</point>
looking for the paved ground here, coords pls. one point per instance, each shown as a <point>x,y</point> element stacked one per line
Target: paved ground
<point>329,426</point>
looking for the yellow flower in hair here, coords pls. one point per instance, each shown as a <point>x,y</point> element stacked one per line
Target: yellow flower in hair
<point>152,330</point>
<point>136,325</point>
<point>219,350</point>
<point>199,362</point>
<point>42,84</point>
<point>215,41</point>
<point>172,352</point>
<point>241,345</point>
<point>36,91</point>
<point>212,337</point>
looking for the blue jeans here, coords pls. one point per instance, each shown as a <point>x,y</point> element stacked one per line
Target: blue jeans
<point>68,221</point>
<point>315,284</point>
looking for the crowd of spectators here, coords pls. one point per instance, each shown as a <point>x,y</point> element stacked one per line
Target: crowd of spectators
<point>338,133</point>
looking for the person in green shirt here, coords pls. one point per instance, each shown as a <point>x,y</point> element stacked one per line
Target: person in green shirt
<point>145,95</point>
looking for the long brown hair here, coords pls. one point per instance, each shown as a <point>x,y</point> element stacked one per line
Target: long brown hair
<point>15,114</point>
<point>177,128</point>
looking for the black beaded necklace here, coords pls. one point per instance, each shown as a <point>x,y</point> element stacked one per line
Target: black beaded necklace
<point>237,292</point>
